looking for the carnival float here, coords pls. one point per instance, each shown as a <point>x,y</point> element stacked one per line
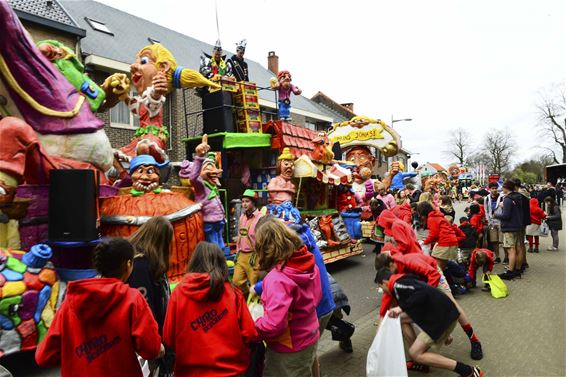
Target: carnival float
<point>63,187</point>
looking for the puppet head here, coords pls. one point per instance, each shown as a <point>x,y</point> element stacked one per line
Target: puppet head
<point>286,164</point>
<point>284,78</point>
<point>362,157</point>
<point>210,171</point>
<point>145,174</point>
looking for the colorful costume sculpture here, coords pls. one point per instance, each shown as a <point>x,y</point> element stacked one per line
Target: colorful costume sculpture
<point>284,89</point>
<point>322,149</point>
<point>215,66</point>
<point>204,176</point>
<point>282,191</point>
<point>154,74</point>
<point>29,296</point>
<point>237,63</point>
<point>123,214</point>
<point>397,176</point>
<point>363,185</point>
<point>349,204</point>
<point>53,126</point>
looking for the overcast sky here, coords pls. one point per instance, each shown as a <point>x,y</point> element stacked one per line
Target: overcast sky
<point>477,64</point>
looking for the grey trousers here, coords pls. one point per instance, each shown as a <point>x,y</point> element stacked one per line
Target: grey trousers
<point>554,234</point>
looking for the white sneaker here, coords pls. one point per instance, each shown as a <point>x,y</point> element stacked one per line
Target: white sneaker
<point>551,248</point>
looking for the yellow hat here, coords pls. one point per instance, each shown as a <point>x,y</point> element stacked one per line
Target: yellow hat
<point>286,154</point>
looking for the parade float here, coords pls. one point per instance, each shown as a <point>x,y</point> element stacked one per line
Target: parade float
<point>361,140</point>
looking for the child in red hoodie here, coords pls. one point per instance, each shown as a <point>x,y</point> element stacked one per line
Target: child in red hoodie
<point>481,258</point>
<point>533,230</point>
<point>476,220</point>
<point>441,234</point>
<point>208,323</point>
<point>102,322</point>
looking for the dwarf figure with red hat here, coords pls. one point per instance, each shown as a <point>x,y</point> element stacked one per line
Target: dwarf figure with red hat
<point>246,269</point>
<point>284,89</point>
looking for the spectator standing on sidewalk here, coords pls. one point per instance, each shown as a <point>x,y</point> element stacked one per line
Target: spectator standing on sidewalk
<point>553,220</point>
<point>526,217</point>
<point>495,236</point>
<point>510,214</point>
<point>533,230</point>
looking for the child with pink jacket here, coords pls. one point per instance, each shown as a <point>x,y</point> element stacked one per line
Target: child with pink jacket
<point>291,292</point>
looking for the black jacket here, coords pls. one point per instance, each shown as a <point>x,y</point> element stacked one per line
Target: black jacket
<point>512,215</point>
<point>239,69</point>
<point>471,236</point>
<point>526,208</point>
<point>554,218</point>
<point>156,293</point>
<point>429,308</point>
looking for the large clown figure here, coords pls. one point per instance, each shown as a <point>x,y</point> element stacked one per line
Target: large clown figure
<point>154,74</point>
<point>363,185</point>
<point>205,179</point>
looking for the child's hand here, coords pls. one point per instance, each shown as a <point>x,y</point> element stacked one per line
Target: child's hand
<point>395,312</point>
<point>161,351</point>
<point>252,291</point>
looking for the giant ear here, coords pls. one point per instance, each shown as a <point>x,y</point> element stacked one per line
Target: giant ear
<point>164,66</point>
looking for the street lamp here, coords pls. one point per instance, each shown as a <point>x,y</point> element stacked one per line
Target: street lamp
<point>399,120</point>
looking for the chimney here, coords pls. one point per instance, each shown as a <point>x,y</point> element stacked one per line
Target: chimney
<point>273,62</point>
<point>349,106</point>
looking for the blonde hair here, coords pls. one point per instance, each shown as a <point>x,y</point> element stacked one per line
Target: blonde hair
<point>425,197</point>
<point>188,79</point>
<point>275,242</point>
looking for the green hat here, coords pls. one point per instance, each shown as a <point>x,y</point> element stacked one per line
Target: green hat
<point>250,194</point>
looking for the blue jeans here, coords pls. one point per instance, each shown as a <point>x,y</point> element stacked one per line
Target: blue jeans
<point>284,110</point>
<point>213,234</point>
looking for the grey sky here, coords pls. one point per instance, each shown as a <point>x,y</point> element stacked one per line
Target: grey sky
<point>474,64</point>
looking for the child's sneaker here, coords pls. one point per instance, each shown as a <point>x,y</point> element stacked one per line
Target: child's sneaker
<point>411,365</point>
<point>506,261</point>
<point>476,372</point>
<point>497,260</point>
<point>476,353</point>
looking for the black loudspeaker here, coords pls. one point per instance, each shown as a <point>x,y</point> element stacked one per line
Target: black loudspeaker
<point>73,205</point>
<point>218,115</point>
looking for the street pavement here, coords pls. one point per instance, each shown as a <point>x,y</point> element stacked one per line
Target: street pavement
<point>523,334</point>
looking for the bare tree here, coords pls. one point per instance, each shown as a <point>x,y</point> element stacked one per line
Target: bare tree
<point>498,148</point>
<point>460,145</point>
<point>552,120</point>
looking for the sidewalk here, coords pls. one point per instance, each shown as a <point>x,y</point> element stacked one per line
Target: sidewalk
<point>522,335</point>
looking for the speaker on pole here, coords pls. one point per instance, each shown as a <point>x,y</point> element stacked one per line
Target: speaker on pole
<point>73,205</point>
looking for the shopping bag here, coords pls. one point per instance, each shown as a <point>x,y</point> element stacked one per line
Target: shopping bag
<point>544,230</point>
<point>496,285</point>
<point>255,307</point>
<point>144,365</point>
<point>386,355</point>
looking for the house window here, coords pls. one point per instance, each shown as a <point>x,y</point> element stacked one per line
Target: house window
<point>122,117</point>
<point>310,126</point>
<point>98,26</point>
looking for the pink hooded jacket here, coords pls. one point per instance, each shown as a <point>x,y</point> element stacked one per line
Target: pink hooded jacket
<point>290,295</point>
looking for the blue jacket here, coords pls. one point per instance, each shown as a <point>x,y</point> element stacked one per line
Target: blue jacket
<point>512,215</point>
<point>326,304</point>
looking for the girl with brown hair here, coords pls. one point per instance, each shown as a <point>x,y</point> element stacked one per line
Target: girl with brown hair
<point>151,262</point>
<point>206,313</point>
<point>291,292</point>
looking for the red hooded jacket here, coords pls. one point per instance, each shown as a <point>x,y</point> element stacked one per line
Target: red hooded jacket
<point>404,213</point>
<point>402,233</point>
<point>440,230</point>
<point>210,337</point>
<point>420,265</point>
<point>98,330</point>
<point>490,261</point>
<point>460,236</point>
<point>477,222</point>
<point>537,214</point>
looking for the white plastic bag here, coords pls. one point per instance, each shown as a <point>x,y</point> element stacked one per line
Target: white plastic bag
<point>386,356</point>
<point>144,364</point>
<point>255,307</point>
<point>543,230</point>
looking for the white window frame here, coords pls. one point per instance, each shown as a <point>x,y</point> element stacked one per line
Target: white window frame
<point>127,126</point>
<point>98,26</point>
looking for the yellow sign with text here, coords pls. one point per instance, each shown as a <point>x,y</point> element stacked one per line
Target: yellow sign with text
<point>358,135</point>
